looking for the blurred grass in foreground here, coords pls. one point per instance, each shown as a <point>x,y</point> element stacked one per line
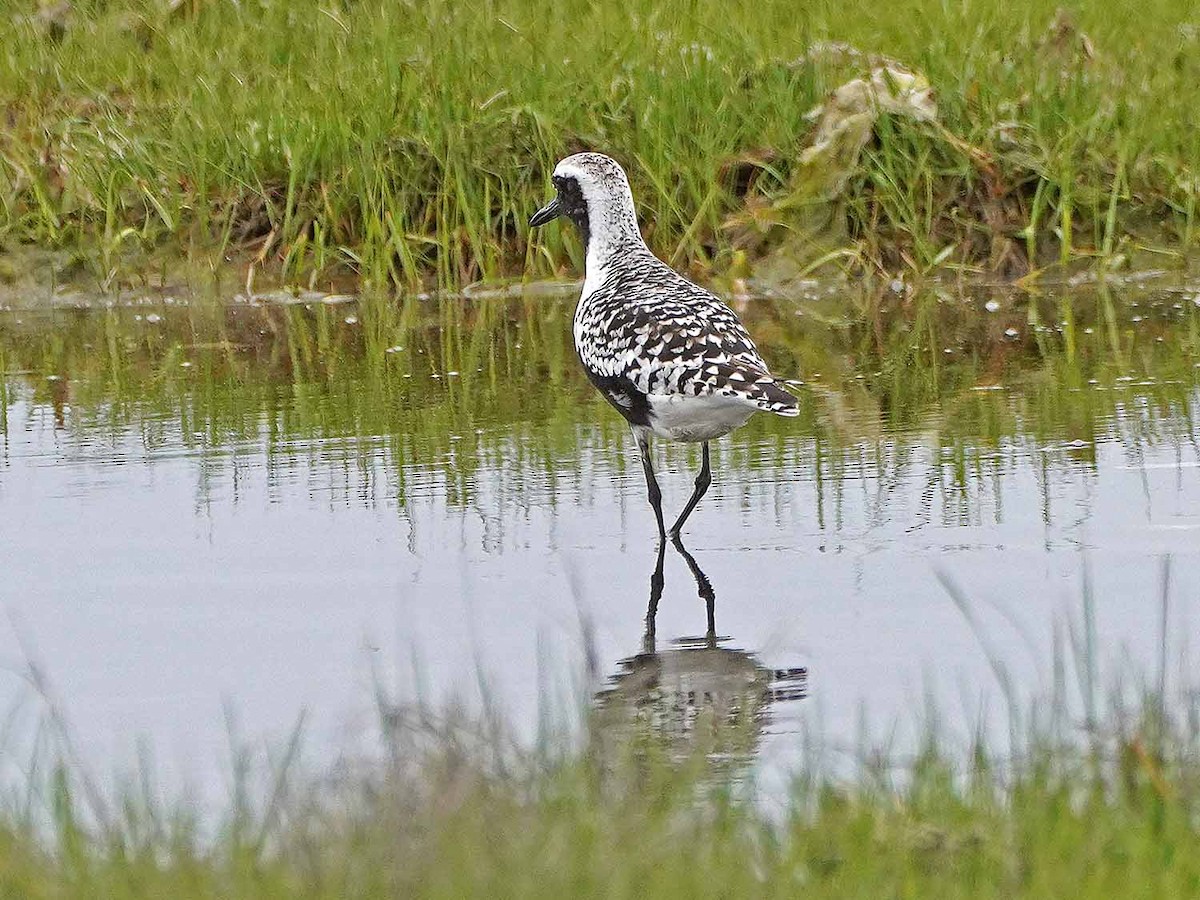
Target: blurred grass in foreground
<point>451,808</point>
<point>403,142</point>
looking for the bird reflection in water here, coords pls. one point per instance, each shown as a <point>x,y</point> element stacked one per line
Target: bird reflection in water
<point>697,694</point>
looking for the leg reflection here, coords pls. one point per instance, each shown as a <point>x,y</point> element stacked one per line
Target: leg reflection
<point>692,693</point>
<point>656,589</point>
<point>703,587</point>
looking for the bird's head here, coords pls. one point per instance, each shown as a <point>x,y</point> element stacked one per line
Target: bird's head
<point>592,191</point>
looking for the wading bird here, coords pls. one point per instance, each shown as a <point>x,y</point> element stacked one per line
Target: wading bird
<point>672,358</point>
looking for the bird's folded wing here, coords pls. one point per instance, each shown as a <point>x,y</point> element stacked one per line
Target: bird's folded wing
<point>673,349</point>
<point>714,379</point>
<point>678,339</point>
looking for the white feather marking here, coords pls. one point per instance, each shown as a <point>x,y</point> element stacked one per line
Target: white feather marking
<point>679,417</point>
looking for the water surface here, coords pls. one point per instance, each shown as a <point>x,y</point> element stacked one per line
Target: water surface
<point>261,509</point>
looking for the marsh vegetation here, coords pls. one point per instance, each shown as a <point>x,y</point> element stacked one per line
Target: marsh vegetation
<point>929,638</point>
<point>407,143</point>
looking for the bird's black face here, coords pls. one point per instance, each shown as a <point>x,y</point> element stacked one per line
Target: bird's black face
<point>569,202</point>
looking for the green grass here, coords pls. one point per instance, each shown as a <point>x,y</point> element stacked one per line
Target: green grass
<point>452,810</point>
<point>407,142</point>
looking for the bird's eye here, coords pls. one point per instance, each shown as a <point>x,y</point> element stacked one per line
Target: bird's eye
<point>558,181</point>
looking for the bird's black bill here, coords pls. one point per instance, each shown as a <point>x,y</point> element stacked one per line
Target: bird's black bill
<point>547,213</point>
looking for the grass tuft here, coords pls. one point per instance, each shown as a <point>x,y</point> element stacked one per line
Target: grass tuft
<point>407,143</point>
<point>452,809</point>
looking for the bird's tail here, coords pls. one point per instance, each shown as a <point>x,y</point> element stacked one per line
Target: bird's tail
<point>757,386</point>
<point>775,399</point>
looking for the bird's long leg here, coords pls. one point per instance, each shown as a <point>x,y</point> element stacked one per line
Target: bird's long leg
<point>703,480</point>
<point>643,442</point>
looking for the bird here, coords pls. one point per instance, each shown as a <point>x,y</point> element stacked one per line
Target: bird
<point>670,356</point>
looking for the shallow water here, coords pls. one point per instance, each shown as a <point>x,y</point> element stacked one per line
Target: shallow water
<point>273,509</point>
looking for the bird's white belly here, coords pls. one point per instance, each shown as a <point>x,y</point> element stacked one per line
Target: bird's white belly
<point>682,418</point>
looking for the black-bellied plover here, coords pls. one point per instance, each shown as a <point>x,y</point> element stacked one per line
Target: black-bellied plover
<point>671,357</point>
